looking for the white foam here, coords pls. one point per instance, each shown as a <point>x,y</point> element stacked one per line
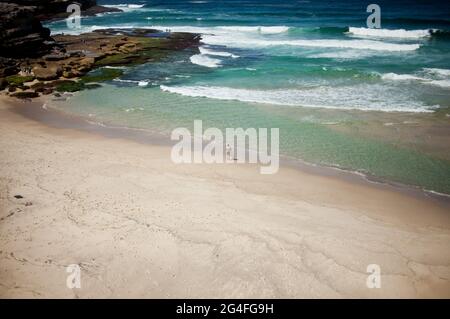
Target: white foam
<point>204,60</point>
<point>258,29</point>
<point>273,30</point>
<point>249,42</point>
<point>401,77</point>
<point>125,81</point>
<point>135,6</point>
<point>133,109</point>
<point>86,29</point>
<point>237,28</point>
<point>318,97</point>
<point>387,33</point>
<point>441,83</point>
<point>138,82</point>
<point>438,72</point>
<point>125,7</point>
<point>206,51</point>
<point>114,67</point>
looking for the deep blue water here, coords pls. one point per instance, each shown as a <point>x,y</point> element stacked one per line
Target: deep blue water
<point>395,14</point>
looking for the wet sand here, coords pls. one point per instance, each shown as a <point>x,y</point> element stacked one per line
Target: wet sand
<point>140,226</point>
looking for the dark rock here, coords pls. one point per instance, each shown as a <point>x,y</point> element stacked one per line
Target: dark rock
<point>47,91</point>
<point>3,84</point>
<point>25,95</point>
<point>21,33</point>
<point>8,67</point>
<point>18,196</point>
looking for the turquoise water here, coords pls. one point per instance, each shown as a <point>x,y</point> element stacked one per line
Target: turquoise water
<point>309,68</point>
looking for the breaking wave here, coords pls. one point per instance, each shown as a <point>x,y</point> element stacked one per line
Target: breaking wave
<point>428,76</point>
<point>377,99</point>
<point>206,51</point>
<point>125,7</point>
<point>258,29</point>
<point>203,60</point>
<point>387,33</point>
<point>401,77</point>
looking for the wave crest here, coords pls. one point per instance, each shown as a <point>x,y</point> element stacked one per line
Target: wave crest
<point>387,33</point>
<point>203,60</point>
<point>126,7</point>
<point>247,42</point>
<point>428,76</point>
<point>206,51</point>
<point>318,97</point>
<point>260,29</point>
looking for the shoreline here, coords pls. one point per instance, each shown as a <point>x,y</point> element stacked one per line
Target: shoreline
<point>141,226</point>
<point>53,117</point>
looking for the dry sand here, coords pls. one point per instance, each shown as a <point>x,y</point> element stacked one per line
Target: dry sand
<point>140,226</point>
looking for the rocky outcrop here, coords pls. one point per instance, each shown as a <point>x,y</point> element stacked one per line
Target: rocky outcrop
<point>49,72</point>
<point>33,63</point>
<point>73,56</point>
<point>21,33</point>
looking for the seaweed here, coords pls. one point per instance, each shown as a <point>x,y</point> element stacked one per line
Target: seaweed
<point>101,75</point>
<point>18,80</point>
<point>70,86</point>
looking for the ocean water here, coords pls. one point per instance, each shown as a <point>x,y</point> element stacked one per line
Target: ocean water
<point>370,100</point>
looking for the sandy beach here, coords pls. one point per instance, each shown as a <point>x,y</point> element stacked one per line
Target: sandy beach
<point>140,226</point>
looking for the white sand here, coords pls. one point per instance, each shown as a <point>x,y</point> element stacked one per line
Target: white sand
<point>140,226</point>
